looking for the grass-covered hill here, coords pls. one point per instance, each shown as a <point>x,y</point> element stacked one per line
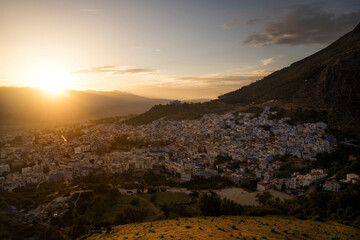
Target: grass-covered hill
<point>239,227</point>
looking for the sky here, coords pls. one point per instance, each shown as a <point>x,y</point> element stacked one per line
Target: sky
<point>177,49</point>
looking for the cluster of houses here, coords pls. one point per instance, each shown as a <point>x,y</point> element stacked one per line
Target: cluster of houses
<point>333,185</point>
<point>184,148</point>
<point>296,181</point>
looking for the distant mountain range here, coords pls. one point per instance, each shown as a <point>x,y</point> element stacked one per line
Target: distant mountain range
<point>30,107</point>
<point>328,80</point>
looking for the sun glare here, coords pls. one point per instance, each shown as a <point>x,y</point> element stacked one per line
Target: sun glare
<point>50,80</point>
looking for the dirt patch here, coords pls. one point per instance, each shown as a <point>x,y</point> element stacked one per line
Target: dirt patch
<point>243,197</point>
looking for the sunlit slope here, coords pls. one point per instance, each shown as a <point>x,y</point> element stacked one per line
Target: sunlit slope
<point>232,228</point>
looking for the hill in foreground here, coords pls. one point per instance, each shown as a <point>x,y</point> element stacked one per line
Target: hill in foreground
<point>230,227</point>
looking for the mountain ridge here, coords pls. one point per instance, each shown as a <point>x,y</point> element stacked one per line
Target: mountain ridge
<point>327,80</point>
<point>32,107</point>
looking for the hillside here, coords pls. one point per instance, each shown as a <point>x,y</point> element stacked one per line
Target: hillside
<point>231,228</point>
<point>180,111</point>
<point>327,81</point>
<point>21,107</point>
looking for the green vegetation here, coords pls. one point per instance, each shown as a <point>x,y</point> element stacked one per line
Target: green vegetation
<point>345,159</point>
<point>29,197</point>
<point>122,142</point>
<point>180,112</point>
<point>94,202</point>
<point>339,162</point>
<point>300,116</point>
<point>199,183</point>
<point>212,205</point>
<point>338,206</point>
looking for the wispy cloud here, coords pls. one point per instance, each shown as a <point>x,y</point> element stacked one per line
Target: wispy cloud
<point>302,25</point>
<point>254,21</point>
<point>263,72</point>
<point>225,26</point>
<point>134,71</point>
<point>209,86</point>
<point>267,61</point>
<point>237,79</point>
<point>90,10</point>
<point>233,23</point>
<point>115,70</point>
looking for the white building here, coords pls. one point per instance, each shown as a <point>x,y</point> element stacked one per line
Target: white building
<point>4,168</point>
<point>351,176</point>
<point>185,177</point>
<point>263,186</point>
<point>331,185</point>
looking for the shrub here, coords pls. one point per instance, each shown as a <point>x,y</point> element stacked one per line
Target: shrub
<point>134,201</point>
<point>152,199</point>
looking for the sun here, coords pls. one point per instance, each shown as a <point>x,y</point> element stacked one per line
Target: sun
<point>51,80</point>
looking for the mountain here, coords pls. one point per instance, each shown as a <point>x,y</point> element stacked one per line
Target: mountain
<point>327,81</point>
<point>30,107</point>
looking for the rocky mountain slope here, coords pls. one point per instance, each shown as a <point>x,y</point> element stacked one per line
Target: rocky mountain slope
<point>327,80</point>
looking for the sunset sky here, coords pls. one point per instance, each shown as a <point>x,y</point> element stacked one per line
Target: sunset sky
<point>184,49</point>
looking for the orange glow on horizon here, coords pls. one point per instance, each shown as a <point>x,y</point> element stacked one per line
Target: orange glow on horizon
<point>50,79</point>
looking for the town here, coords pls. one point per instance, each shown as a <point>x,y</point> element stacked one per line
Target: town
<point>239,146</point>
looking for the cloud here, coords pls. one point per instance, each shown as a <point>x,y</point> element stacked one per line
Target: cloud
<point>303,25</point>
<point>134,71</point>
<point>115,70</point>
<point>254,21</point>
<point>90,10</point>
<point>234,23</point>
<point>262,72</point>
<point>100,69</point>
<point>267,61</point>
<point>217,80</point>
<point>210,86</point>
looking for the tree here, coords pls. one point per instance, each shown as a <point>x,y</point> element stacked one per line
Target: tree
<point>51,233</point>
<point>263,198</point>
<point>80,226</point>
<point>229,207</point>
<point>209,204</point>
<point>166,210</point>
